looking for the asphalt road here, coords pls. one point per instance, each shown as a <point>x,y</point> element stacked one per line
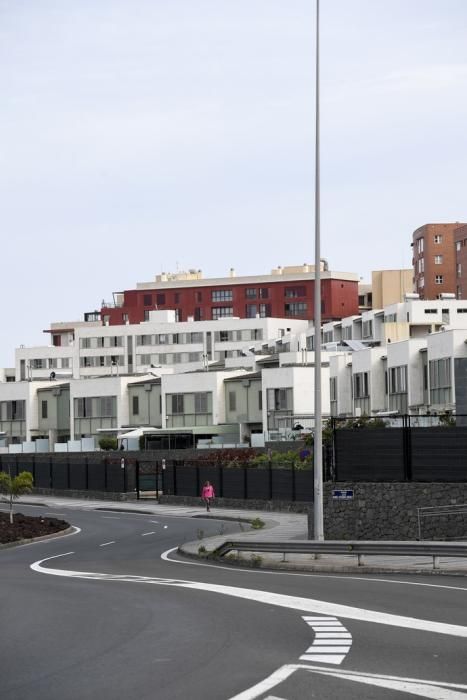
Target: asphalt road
<point>102,616</point>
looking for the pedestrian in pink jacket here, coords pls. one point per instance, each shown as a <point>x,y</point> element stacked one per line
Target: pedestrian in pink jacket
<point>207,494</point>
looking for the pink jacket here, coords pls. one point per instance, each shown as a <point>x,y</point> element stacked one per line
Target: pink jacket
<point>208,491</point>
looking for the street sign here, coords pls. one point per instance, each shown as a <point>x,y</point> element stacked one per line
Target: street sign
<point>342,494</point>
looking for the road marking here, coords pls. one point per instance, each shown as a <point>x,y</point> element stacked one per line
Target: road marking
<point>330,646</point>
<point>110,517</point>
<point>156,522</point>
<point>281,600</point>
<point>106,543</point>
<point>436,690</point>
<point>145,534</point>
<point>165,556</point>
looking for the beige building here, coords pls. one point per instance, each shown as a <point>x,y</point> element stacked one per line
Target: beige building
<point>387,287</point>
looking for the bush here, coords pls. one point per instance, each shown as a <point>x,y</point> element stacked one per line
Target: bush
<point>108,443</point>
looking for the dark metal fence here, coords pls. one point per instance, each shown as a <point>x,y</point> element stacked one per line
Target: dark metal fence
<point>400,448</point>
<point>269,482</point>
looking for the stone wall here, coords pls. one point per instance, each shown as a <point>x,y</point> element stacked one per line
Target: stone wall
<point>388,511</point>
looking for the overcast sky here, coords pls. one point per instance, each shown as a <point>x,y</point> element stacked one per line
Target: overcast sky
<point>145,135</point>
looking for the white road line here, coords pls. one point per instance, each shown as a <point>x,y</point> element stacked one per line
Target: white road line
<point>156,522</point>
<point>104,544</point>
<point>269,598</point>
<point>110,517</point>
<point>333,648</point>
<point>437,690</point>
<point>367,579</point>
<point>145,534</point>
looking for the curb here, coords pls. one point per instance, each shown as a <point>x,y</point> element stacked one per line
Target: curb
<point>50,536</point>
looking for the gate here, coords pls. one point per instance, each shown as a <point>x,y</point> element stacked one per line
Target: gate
<point>150,479</point>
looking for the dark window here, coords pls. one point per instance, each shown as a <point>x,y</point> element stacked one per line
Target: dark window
<point>293,292</point>
<point>135,407</point>
<point>146,314</point>
<point>177,297</point>
<point>265,310</point>
<point>177,403</point>
<point>264,293</point>
<point>250,293</point>
<point>44,411</point>
<point>199,296</point>
<point>147,300</point>
<point>222,295</point>
<point>198,314</point>
<point>160,299</point>
<point>221,311</point>
<point>251,310</point>
<point>232,401</point>
<point>260,400</point>
<point>297,309</point>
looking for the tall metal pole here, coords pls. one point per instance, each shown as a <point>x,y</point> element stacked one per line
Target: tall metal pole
<point>318,533</point>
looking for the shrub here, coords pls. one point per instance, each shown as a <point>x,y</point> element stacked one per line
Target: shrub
<point>257,523</point>
<point>108,443</point>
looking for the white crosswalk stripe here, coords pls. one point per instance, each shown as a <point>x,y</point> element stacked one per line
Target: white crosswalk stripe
<point>332,640</point>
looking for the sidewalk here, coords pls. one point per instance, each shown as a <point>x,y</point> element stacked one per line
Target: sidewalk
<point>278,527</point>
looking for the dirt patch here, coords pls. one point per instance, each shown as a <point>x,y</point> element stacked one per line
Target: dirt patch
<point>25,527</point>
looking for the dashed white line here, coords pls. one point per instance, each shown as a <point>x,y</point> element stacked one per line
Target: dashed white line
<point>104,544</point>
<point>110,517</point>
<point>145,534</point>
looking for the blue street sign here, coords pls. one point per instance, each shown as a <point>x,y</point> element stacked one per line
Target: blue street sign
<point>342,494</point>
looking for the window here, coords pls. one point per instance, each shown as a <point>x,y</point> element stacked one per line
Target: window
<point>438,238</point>
<point>458,245</point>
<point>224,336</point>
<point>419,244</point>
<point>296,309</point>
<point>250,293</point>
<point>440,381</point>
<point>107,406</point>
<point>65,362</point>
<point>199,297</point>
<point>439,279</point>
<point>397,380</point>
<point>146,315</point>
<point>293,292</point>
<point>264,293</point>
<point>367,329</point>
<point>232,401</point>
<point>177,403</point>
<point>201,402</point>
<point>52,362</point>
<point>438,259</point>
<point>260,400</point>
<point>221,312</point>
<point>162,339</point>
<point>147,299</point>
<point>135,405</point>
<point>125,318</point>
<point>44,411</point>
<point>265,310</point>
<point>222,295</point>
<point>160,299</point>
<point>421,265</point>
<point>462,311</point>
<point>459,270</point>
<point>85,343</point>
<point>106,319</point>
<point>431,311</point>
<point>83,408</point>
<point>360,385</point>
<point>333,388</point>
<point>195,338</point>
<point>198,314</point>
<point>251,310</point>
<point>421,282</point>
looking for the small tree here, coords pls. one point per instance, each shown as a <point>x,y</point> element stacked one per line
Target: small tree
<point>108,443</point>
<point>13,487</point>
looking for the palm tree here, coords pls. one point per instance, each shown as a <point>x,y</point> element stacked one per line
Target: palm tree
<point>13,487</point>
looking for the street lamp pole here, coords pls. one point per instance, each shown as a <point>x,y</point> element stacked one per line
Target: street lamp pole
<point>318,529</point>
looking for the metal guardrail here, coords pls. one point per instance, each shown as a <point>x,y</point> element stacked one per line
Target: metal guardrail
<point>357,547</point>
<point>438,511</point>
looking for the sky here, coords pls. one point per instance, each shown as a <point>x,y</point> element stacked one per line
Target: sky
<point>141,136</point>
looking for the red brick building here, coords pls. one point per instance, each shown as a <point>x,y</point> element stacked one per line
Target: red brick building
<point>435,260</point>
<point>286,292</point>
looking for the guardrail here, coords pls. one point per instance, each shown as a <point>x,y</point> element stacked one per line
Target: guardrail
<point>357,547</point>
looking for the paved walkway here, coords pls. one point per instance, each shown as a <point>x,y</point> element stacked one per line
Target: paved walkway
<point>279,527</point>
